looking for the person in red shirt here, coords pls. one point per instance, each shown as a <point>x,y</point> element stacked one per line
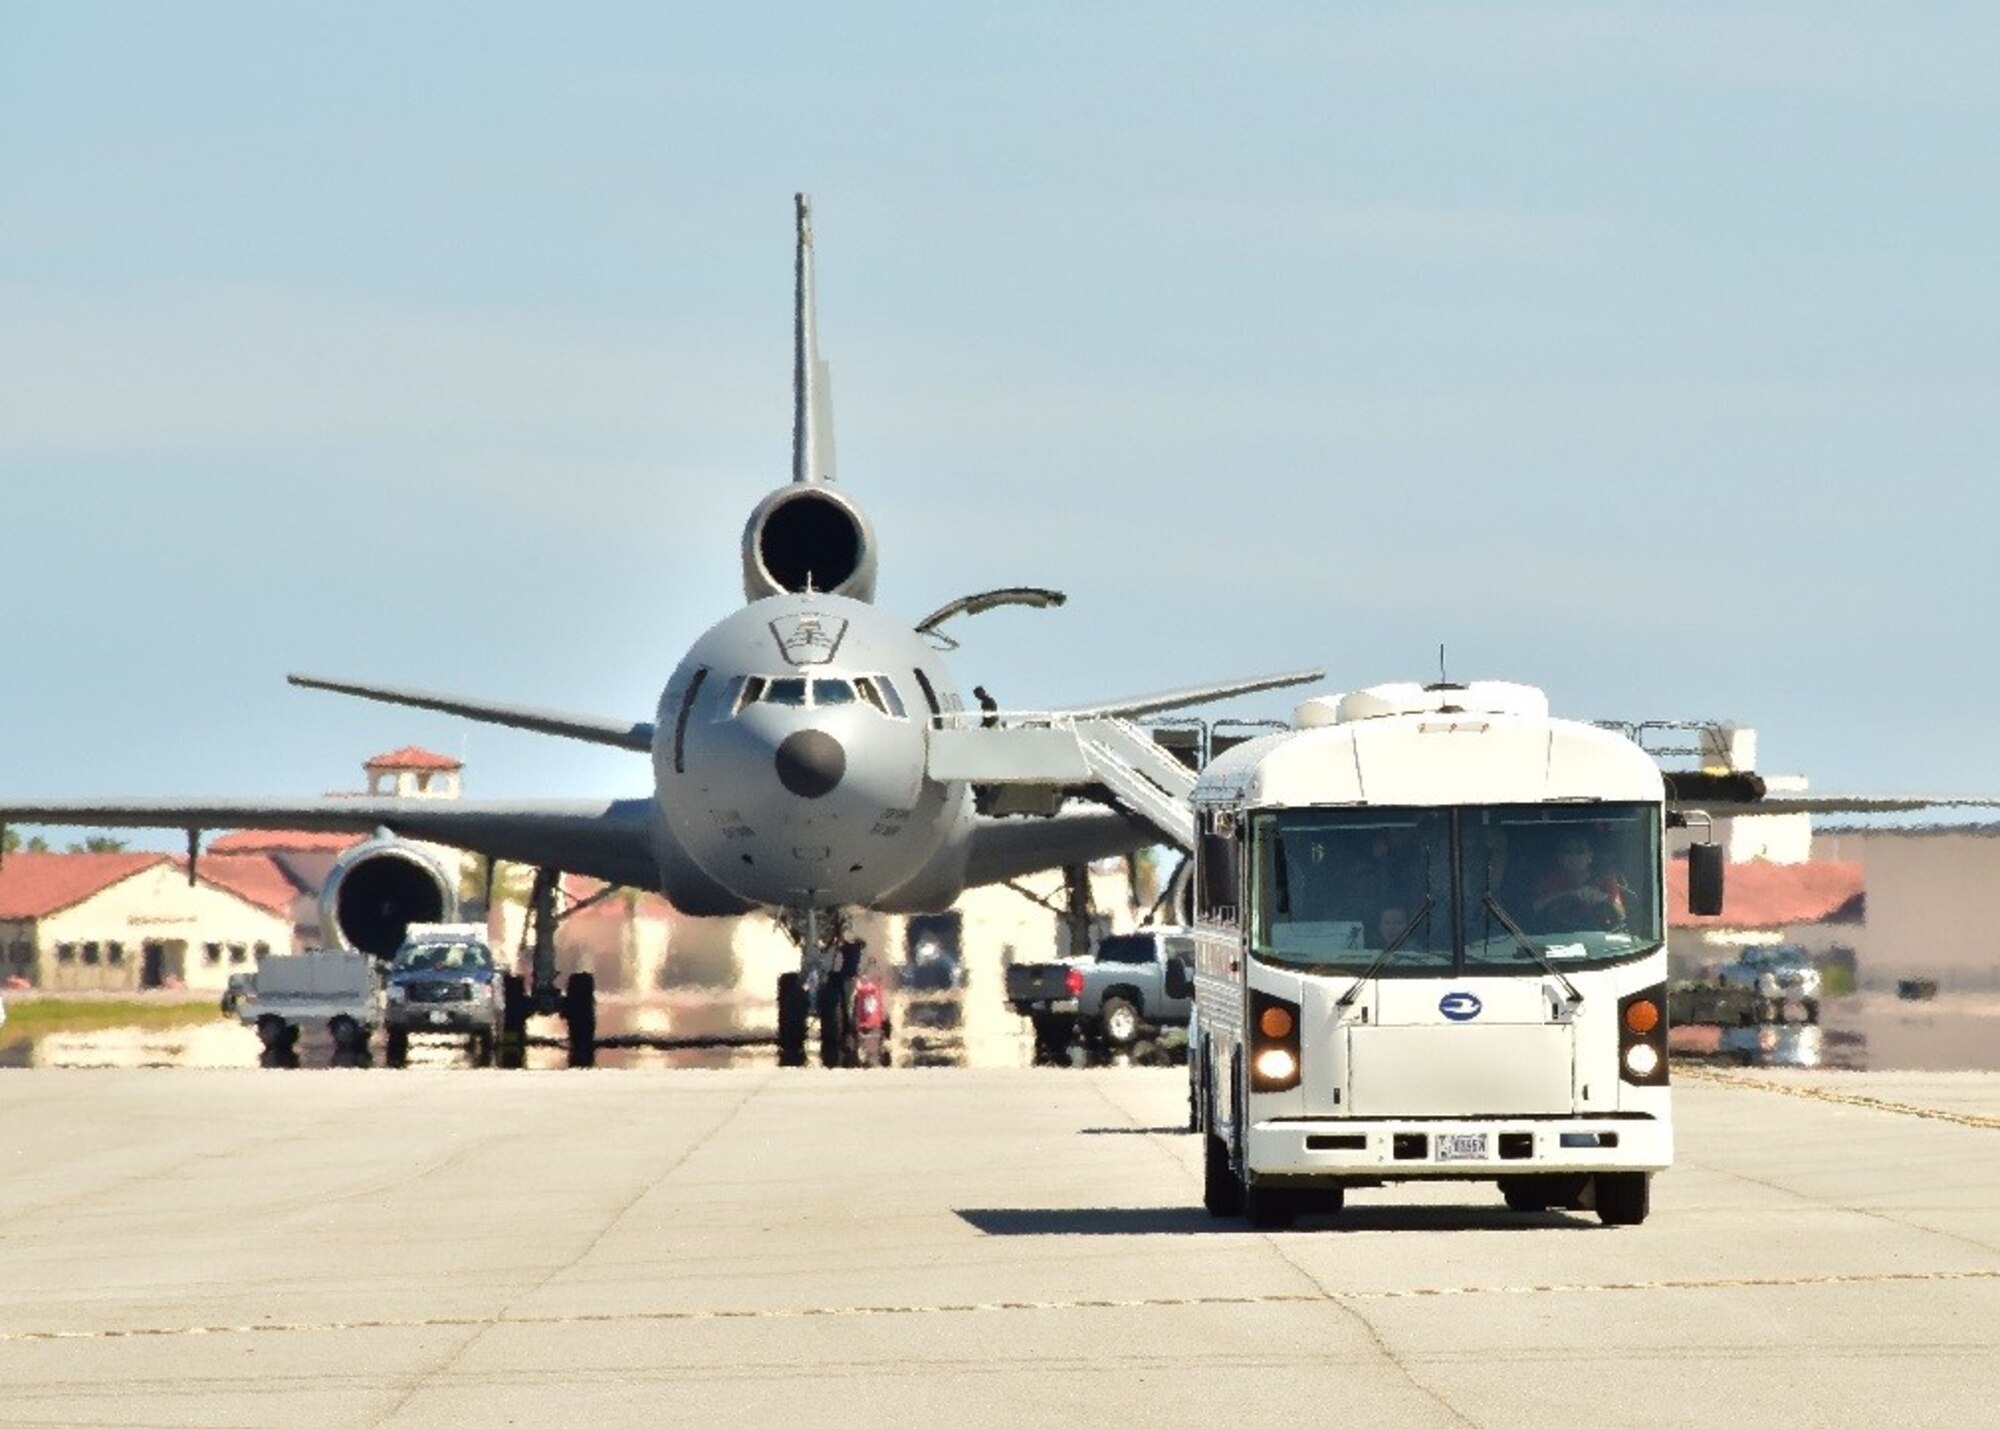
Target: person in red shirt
<point>1573,895</point>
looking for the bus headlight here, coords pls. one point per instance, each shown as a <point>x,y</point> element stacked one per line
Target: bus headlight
<point>1274,1043</point>
<point>1275,1065</point>
<point>1642,1037</point>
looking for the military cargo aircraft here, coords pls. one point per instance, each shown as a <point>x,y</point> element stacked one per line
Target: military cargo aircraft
<point>810,754</point>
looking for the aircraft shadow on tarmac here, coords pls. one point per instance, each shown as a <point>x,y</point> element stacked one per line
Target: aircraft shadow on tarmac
<point>1193,1220</point>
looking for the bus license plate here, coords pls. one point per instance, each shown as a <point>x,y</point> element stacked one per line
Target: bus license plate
<point>1470,1146</point>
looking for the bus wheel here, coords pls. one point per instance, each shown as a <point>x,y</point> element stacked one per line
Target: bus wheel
<point>1269,1208</point>
<point>1221,1192</point>
<point>1623,1197</point>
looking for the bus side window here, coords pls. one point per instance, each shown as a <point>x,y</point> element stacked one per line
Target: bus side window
<point>1218,893</point>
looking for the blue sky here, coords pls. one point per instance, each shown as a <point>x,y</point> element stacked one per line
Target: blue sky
<point>1643,352</point>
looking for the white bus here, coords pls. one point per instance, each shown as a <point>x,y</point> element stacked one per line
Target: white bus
<point>1431,942</point>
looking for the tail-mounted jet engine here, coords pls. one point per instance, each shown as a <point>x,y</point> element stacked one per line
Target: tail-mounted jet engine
<point>378,889</point>
<point>808,536</point>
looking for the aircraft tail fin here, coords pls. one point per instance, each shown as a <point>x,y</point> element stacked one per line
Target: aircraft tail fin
<point>812,383</point>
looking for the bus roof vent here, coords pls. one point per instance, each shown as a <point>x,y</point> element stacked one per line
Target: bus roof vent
<point>1500,697</point>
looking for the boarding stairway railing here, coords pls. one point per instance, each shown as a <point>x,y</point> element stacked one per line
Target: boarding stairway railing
<point>1065,751</point>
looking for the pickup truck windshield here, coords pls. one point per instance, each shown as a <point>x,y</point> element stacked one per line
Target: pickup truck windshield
<point>1332,888</point>
<point>432,957</point>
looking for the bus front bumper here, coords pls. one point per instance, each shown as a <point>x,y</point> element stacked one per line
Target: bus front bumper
<point>1335,1149</point>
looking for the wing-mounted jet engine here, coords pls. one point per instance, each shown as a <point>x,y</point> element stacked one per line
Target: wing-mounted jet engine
<point>377,889</point>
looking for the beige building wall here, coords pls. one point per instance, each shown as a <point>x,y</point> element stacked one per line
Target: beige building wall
<point>202,933</point>
<point>1933,905</point>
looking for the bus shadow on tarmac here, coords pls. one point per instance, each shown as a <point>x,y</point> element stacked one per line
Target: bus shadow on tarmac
<point>1193,1220</point>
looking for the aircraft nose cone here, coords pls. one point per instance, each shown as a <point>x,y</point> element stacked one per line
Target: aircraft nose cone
<point>810,763</point>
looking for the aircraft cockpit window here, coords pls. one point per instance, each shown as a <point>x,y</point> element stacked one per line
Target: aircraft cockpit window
<point>832,692</point>
<point>787,691</point>
<point>865,686</point>
<point>888,700</point>
<point>749,690</point>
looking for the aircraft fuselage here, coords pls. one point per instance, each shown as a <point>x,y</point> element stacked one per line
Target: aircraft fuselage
<point>789,763</point>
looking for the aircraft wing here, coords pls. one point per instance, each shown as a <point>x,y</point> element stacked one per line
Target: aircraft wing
<point>1138,705</point>
<point>607,839</point>
<point>620,734</point>
<point>1011,848</point>
<point>1837,804</point>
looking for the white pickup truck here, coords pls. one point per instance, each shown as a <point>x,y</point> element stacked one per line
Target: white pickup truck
<point>337,990</point>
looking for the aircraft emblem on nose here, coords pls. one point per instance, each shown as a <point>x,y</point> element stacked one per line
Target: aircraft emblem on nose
<point>809,638</point>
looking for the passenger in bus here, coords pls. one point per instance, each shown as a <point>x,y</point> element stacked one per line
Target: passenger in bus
<point>1574,895</point>
<point>1391,925</point>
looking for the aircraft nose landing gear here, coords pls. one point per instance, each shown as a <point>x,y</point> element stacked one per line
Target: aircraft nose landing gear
<point>824,989</point>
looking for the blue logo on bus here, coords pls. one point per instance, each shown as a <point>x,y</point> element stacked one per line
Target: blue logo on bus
<point>1459,1006</point>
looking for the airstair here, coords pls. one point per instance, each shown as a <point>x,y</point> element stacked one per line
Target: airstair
<point>1064,755</point>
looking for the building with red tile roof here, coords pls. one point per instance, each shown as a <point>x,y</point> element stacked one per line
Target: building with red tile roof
<point>120,922</point>
<point>413,773</point>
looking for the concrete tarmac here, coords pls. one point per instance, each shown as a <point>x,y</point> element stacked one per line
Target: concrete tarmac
<point>759,1247</point>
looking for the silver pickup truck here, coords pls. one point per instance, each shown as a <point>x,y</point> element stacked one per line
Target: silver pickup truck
<point>1109,1000</point>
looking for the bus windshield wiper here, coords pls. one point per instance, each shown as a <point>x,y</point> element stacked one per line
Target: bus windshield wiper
<point>1533,950</point>
<point>1388,951</point>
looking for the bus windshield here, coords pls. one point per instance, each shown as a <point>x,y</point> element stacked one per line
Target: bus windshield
<point>1481,889</point>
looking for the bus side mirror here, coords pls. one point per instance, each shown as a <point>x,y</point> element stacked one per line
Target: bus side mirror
<point>1705,880</point>
<point>1180,982</point>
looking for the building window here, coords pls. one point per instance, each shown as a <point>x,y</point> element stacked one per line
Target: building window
<point>90,954</point>
<point>238,953</point>
<point>261,951</point>
<point>65,952</point>
<point>114,953</point>
<point>21,953</point>
<point>211,953</point>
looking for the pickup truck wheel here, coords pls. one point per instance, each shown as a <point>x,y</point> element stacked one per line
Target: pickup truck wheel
<point>396,1047</point>
<point>1221,1192</point>
<point>481,1049</point>
<point>1119,1021</point>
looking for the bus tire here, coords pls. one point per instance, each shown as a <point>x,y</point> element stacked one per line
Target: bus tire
<point>1221,1192</point>
<point>1623,1197</point>
<point>1268,1207</point>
